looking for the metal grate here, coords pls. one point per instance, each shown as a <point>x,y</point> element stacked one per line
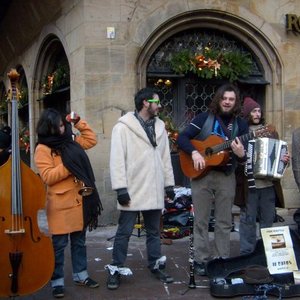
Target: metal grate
<point>194,40</point>
<point>183,97</point>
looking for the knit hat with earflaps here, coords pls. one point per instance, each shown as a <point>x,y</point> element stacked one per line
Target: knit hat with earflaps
<point>249,105</point>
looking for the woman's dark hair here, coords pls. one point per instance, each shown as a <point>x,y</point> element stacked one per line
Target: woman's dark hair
<point>214,106</point>
<point>143,94</point>
<point>49,122</point>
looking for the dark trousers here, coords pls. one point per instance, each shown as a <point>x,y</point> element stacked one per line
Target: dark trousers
<point>126,223</point>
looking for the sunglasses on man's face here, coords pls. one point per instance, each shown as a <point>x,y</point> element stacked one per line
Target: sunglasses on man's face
<point>157,101</point>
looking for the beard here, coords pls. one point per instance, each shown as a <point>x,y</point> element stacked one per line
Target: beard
<point>151,112</point>
<point>256,121</point>
<point>225,113</point>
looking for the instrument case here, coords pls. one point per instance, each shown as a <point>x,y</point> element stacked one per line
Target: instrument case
<point>228,276</point>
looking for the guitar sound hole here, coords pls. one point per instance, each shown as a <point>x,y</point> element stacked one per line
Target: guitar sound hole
<point>208,151</point>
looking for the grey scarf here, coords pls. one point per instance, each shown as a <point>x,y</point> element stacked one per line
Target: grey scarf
<point>149,127</point>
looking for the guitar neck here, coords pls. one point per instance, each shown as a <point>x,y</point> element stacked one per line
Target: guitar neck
<point>226,145</point>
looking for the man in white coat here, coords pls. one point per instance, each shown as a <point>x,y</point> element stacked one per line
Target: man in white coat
<point>141,174</point>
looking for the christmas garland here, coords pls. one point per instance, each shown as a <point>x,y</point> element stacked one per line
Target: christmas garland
<point>25,139</point>
<point>212,63</point>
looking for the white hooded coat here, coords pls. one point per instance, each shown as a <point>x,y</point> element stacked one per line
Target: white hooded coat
<point>138,166</point>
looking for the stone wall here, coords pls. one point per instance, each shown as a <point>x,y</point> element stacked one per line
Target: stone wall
<point>104,73</point>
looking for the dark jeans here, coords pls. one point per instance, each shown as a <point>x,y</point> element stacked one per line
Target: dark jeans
<point>78,256</point>
<point>127,220</point>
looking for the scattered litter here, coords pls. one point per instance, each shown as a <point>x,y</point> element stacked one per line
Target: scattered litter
<point>122,270</point>
<point>167,289</point>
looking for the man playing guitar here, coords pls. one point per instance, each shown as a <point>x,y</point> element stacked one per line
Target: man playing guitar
<point>218,185</point>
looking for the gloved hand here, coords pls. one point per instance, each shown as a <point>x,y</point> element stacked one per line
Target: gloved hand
<point>170,192</point>
<point>123,197</point>
<point>73,117</point>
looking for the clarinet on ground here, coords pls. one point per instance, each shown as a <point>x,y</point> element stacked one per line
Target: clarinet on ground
<point>192,284</point>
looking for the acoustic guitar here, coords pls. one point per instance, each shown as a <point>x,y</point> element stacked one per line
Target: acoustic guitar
<point>214,149</point>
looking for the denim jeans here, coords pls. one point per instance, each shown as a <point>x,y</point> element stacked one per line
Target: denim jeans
<point>261,206</point>
<point>126,223</point>
<point>78,256</point>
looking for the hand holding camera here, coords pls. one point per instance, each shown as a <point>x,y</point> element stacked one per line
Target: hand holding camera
<point>73,117</point>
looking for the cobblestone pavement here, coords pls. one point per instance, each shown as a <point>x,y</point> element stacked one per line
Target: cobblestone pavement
<point>142,285</point>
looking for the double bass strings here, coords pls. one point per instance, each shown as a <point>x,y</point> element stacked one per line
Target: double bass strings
<point>16,183</point>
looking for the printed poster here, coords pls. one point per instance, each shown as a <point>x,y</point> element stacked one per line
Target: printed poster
<point>279,249</point>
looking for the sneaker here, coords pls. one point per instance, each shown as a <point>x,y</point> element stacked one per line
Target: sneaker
<point>200,268</point>
<point>113,280</point>
<point>58,291</point>
<point>88,282</point>
<point>162,275</point>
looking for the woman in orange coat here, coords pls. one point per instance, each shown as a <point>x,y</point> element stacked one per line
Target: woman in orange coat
<point>64,167</point>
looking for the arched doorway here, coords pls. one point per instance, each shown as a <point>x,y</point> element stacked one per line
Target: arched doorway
<point>53,76</point>
<point>185,95</point>
<point>23,113</point>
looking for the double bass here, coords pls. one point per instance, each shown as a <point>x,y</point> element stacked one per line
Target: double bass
<point>26,254</point>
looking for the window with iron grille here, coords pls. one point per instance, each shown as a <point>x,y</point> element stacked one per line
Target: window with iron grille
<point>185,95</point>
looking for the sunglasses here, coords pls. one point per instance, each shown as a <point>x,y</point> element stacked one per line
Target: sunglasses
<point>154,101</point>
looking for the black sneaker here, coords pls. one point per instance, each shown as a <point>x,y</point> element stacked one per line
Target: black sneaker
<point>162,275</point>
<point>113,280</point>
<point>89,282</point>
<point>58,291</point>
<point>200,269</point>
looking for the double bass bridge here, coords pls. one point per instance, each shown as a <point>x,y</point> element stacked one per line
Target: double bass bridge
<point>10,231</point>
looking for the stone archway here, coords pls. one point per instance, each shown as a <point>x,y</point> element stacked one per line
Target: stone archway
<point>242,31</point>
<point>52,76</point>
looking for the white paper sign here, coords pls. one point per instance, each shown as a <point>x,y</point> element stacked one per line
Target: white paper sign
<point>279,249</point>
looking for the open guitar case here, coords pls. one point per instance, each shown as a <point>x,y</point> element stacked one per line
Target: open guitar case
<point>228,277</point>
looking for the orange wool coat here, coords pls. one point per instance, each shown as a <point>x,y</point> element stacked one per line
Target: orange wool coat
<point>64,204</point>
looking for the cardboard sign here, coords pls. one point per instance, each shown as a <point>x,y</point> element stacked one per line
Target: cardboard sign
<point>279,249</point>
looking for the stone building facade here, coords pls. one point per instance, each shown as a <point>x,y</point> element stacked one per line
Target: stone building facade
<point>111,48</point>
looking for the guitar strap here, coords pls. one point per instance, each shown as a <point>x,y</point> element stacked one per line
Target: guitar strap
<point>235,129</point>
<point>207,128</point>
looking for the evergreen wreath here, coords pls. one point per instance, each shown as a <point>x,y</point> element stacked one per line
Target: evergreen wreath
<point>212,63</point>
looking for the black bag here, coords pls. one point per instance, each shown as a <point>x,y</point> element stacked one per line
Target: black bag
<point>297,218</point>
<point>248,275</point>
